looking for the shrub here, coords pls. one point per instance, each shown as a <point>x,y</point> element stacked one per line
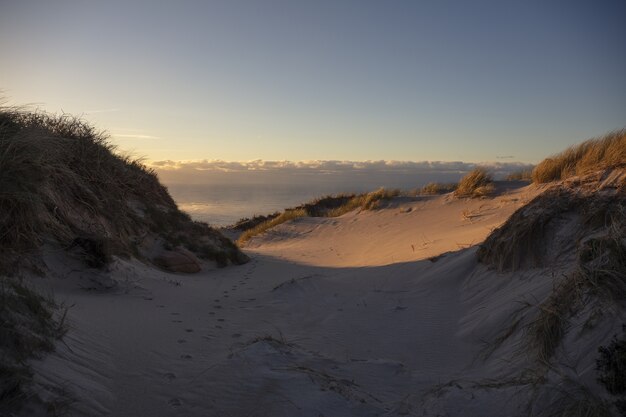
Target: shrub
<point>477,183</point>
<point>594,154</point>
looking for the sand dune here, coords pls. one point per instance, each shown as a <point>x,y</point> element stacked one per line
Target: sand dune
<point>331,317</point>
<point>384,312</point>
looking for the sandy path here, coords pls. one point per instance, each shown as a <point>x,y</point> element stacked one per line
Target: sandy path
<point>293,332</point>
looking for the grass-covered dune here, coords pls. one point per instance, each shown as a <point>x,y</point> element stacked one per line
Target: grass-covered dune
<point>63,185</point>
<point>575,228</point>
<point>608,151</point>
<point>61,181</point>
<point>327,206</point>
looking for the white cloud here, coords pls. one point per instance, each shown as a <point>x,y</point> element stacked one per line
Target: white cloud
<point>332,166</point>
<point>368,173</point>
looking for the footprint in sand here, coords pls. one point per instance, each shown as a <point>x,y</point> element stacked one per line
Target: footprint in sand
<point>175,402</point>
<point>189,330</point>
<point>220,319</point>
<point>170,376</point>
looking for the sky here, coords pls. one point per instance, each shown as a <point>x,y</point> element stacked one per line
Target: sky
<point>508,81</point>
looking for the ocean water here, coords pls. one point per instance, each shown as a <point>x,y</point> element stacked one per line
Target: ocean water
<point>223,202</point>
<point>222,205</point>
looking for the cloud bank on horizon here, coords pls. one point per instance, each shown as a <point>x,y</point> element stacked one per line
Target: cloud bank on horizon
<point>368,173</point>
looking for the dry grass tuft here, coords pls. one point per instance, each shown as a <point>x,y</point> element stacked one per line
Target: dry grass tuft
<point>608,151</point>
<point>546,332</point>
<point>477,183</point>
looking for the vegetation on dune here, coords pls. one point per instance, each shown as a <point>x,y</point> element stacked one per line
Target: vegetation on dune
<point>62,183</point>
<point>285,216</point>
<point>611,365</point>
<point>525,239</point>
<point>524,175</point>
<point>328,206</point>
<point>28,328</point>
<point>587,220</point>
<point>61,180</point>
<point>477,183</point>
<point>594,154</point>
<point>247,223</point>
<point>434,188</point>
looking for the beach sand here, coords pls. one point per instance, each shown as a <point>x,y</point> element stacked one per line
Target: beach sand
<point>383,312</point>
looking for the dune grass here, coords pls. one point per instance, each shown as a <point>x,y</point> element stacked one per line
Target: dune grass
<point>285,216</point>
<point>477,183</point>
<point>435,188</point>
<point>594,154</point>
<point>61,180</point>
<point>327,206</point>
<point>599,244</point>
<point>63,183</point>
<point>524,175</point>
<point>29,328</point>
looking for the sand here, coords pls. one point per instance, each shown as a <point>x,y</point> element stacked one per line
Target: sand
<point>348,316</point>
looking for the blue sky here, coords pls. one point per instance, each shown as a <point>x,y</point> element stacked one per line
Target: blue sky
<point>324,80</point>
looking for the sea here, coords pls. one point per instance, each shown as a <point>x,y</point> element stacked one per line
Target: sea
<point>224,204</point>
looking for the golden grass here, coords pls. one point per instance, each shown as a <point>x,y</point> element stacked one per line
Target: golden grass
<point>60,179</point>
<point>285,216</point>
<point>594,154</point>
<point>328,206</point>
<point>524,175</point>
<point>434,188</point>
<point>477,183</point>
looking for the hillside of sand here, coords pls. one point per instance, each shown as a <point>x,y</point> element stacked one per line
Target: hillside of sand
<point>384,312</point>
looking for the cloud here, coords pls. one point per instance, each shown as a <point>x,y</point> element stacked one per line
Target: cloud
<point>331,166</point>
<point>379,172</point>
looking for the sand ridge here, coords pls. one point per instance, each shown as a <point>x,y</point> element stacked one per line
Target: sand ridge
<point>333,317</point>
